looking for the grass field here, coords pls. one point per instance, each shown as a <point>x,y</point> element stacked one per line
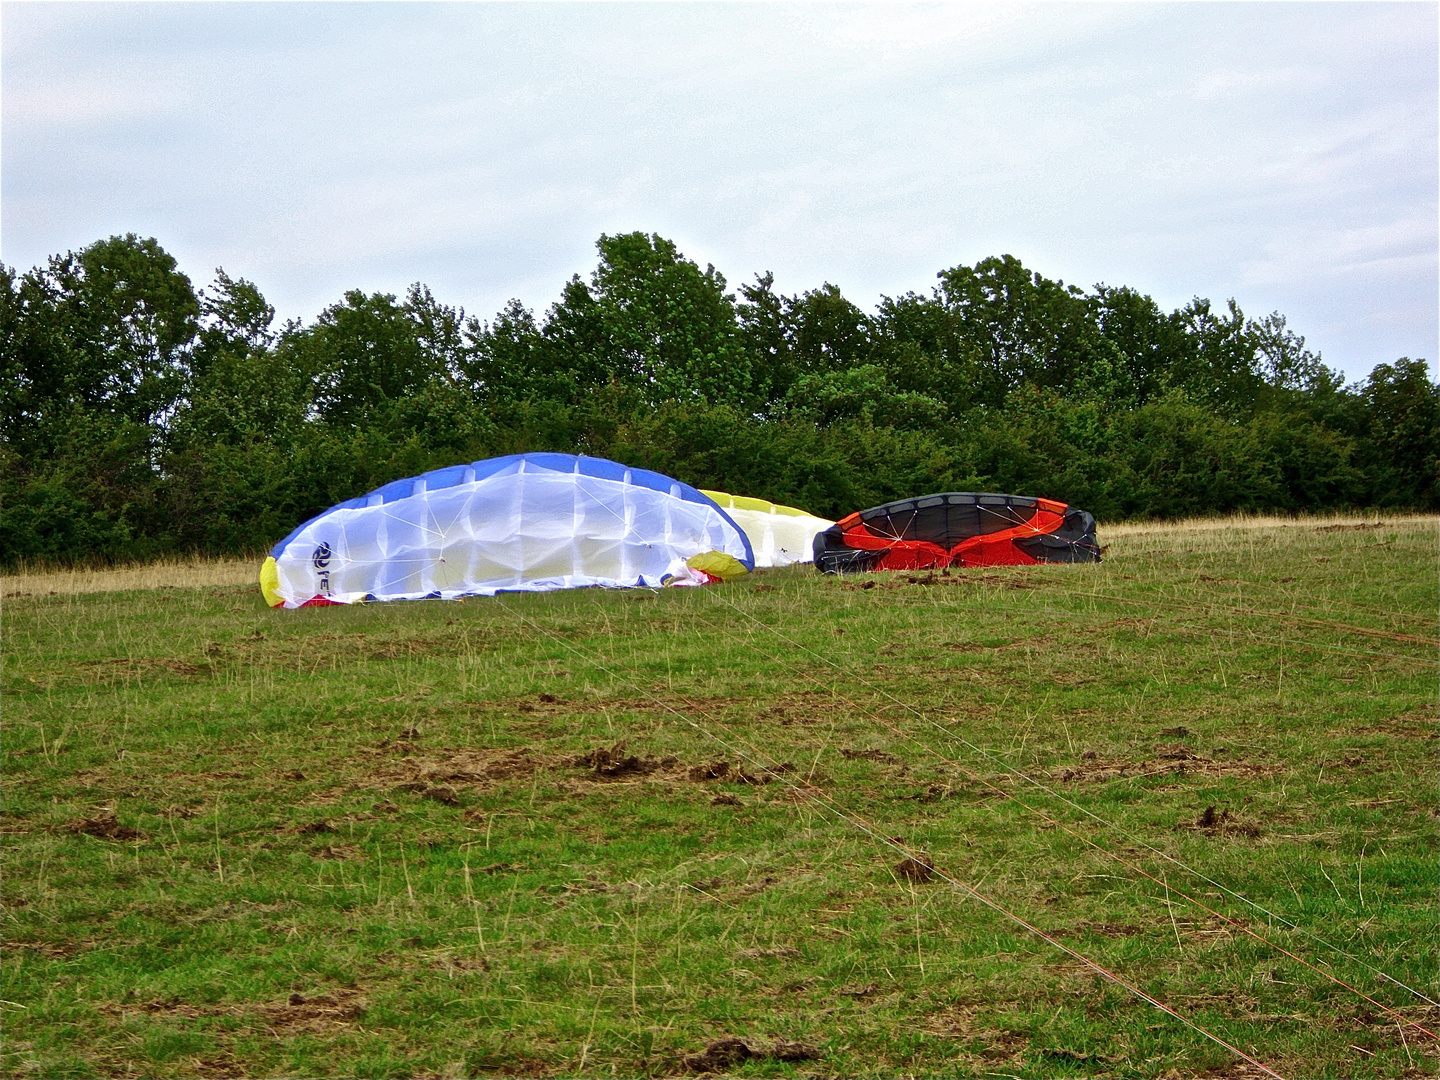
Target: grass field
<point>601,833</point>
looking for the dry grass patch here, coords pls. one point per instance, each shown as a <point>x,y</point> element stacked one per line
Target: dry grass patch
<point>192,573</point>
<point>1241,523</point>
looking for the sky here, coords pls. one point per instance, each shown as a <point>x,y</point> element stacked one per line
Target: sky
<point>1281,154</point>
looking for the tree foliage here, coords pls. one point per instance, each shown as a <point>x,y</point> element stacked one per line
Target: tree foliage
<point>142,415</point>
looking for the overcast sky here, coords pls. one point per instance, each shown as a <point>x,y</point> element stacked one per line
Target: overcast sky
<point>1281,154</point>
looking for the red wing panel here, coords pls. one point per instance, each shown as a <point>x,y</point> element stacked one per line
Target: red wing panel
<point>989,551</point>
<point>998,548</point>
<point>898,554</point>
<point>914,555</point>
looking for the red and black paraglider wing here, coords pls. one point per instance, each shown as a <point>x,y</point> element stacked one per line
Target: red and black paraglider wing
<point>958,529</point>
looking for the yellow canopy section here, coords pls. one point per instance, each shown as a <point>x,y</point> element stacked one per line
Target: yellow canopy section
<point>759,506</point>
<point>778,535</point>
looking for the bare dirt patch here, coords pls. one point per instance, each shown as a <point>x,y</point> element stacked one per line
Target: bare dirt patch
<point>13,823</point>
<point>976,646</point>
<point>1222,822</point>
<point>105,827</point>
<point>899,579</point>
<point>1172,760</point>
<point>53,950</point>
<point>339,853</point>
<point>407,647</point>
<point>1100,929</point>
<point>447,775</point>
<point>661,700</point>
<point>728,1052</point>
<point>967,1022</point>
<point>316,1014</point>
<point>768,952</point>
<point>1419,724</point>
<point>331,648</point>
<point>443,776</point>
<point>721,770</point>
<point>868,755</point>
<point>608,763</point>
<point>439,793</point>
<point>219,1066</point>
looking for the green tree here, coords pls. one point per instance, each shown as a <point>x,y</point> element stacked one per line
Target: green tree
<point>1402,433</point>
<point>1222,367</point>
<point>925,349</point>
<point>1152,344</point>
<point>862,392</point>
<point>507,360</point>
<point>105,330</point>
<point>97,347</point>
<point>789,338</point>
<point>1022,326</point>
<point>765,336</point>
<point>370,351</point>
<point>652,320</point>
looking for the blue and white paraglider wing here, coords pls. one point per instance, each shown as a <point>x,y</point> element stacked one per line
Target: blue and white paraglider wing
<point>526,522</point>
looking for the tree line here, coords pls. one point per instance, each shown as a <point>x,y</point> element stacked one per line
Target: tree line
<point>144,416</point>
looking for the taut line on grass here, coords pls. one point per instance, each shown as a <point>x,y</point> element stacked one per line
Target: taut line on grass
<point>1002,763</point>
<point>825,801</point>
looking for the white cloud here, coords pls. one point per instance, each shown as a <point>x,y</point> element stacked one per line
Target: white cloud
<point>80,100</point>
<point>1228,84</point>
<point>1387,250</point>
<point>1262,152</point>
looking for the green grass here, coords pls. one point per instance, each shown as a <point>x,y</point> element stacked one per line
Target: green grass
<point>373,841</point>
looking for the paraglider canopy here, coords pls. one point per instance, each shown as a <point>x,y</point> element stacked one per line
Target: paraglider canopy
<point>958,529</point>
<point>525,522</point>
<point>779,535</point>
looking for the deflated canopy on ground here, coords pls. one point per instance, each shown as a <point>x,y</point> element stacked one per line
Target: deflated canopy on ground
<point>957,529</point>
<point>779,535</point>
<point>530,522</point>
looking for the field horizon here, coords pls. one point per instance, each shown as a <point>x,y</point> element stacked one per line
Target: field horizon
<point>1171,815</point>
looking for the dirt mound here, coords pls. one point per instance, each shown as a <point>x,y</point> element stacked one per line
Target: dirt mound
<point>106,827</point>
<point>612,762</point>
<point>917,869</point>
<point>1222,822</point>
<point>728,1052</point>
<point>448,775</point>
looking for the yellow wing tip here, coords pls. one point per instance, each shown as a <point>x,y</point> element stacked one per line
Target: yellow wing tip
<point>270,582</point>
<point>717,564</point>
